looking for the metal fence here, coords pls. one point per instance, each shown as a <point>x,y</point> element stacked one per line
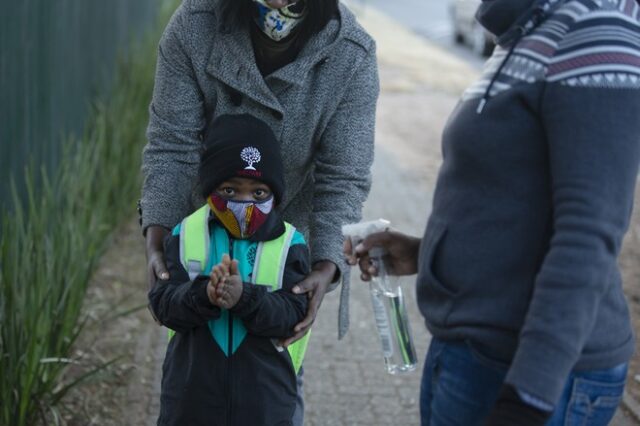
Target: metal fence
<point>56,56</point>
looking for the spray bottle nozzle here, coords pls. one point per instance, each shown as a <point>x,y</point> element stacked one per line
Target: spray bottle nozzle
<point>357,232</point>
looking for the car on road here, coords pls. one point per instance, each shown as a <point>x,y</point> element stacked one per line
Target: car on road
<point>466,30</point>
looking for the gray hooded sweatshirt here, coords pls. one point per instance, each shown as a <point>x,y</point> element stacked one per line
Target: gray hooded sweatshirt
<point>534,197</point>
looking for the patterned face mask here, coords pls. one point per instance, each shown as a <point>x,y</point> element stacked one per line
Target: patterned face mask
<point>278,23</point>
<point>241,218</point>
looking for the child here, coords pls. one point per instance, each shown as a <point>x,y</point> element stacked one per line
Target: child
<point>232,265</point>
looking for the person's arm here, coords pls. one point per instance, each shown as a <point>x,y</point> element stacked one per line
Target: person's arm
<point>274,314</point>
<point>172,153</point>
<point>342,181</point>
<point>593,143</point>
<point>180,303</point>
<point>343,164</point>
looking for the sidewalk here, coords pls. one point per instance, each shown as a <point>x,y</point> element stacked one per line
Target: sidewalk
<point>346,383</point>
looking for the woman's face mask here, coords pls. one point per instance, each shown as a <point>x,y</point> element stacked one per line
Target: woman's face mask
<point>279,23</point>
<point>241,218</point>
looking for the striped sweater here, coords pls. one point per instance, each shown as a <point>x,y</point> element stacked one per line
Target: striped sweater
<point>590,43</point>
<point>534,197</point>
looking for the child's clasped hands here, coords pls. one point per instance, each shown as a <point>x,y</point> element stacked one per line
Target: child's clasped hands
<point>225,285</point>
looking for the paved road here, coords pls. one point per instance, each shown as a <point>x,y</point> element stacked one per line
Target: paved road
<point>429,19</point>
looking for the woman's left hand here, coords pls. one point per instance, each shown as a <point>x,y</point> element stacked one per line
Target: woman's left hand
<point>315,286</point>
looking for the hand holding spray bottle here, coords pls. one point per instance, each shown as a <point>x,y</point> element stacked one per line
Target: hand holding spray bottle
<point>389,307</point>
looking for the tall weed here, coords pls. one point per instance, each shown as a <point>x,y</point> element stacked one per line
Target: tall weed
<point>55,234</point>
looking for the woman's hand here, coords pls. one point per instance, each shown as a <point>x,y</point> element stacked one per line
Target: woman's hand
<point>401,256</point>
<point>315,286</point>
<point>156,265</point>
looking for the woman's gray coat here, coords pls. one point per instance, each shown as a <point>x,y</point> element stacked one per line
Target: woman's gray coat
<point>321,107</point>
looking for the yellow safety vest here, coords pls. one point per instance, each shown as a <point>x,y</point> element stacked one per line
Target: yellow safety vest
<point>268,267</point>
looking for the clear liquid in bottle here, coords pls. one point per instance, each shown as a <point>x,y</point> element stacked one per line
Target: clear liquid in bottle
<point>392,322</point>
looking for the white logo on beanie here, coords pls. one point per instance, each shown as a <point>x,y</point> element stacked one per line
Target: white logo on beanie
<point>250,155</point>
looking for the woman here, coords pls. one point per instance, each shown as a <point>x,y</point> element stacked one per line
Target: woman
<point>517,273</point>
<point>308,70</point>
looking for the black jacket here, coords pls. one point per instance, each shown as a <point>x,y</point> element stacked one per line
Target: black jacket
<point>256,385</point>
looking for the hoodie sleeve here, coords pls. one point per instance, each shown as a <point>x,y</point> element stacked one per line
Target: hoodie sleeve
<point>274,314</point>
<point>590,109</point>
<point>179,303</point>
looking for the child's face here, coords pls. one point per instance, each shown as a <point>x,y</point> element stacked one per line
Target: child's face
<point>243,189</point>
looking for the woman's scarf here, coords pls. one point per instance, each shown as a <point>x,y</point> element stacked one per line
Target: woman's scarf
<point>278,24</point>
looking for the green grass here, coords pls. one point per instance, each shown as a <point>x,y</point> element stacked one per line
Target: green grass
<point>53,239</point>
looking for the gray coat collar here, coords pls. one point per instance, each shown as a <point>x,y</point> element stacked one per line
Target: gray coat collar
<point>232,60</point>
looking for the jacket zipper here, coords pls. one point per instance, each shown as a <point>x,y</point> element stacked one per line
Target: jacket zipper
<point>229,351</point>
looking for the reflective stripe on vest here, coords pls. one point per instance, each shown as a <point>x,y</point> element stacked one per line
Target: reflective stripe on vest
<point>268,268</point>
<point>194,257</point>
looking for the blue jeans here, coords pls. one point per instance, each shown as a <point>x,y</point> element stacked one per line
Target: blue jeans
<point>460,385</point>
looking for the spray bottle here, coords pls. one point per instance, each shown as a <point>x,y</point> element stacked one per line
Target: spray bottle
<point>389,307</point>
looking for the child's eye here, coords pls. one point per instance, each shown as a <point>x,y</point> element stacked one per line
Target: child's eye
<point>228,191</point>
<point>261,193</point>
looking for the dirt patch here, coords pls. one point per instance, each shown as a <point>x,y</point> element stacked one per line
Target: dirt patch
<point>119,327</point>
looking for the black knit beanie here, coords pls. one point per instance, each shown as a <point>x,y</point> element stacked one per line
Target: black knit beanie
<point>241,146</point>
